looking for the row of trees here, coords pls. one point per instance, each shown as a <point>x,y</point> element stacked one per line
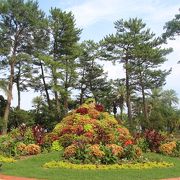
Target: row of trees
<point>44,54</point>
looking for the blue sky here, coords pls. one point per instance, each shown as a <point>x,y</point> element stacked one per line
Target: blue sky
<point>96,18</point>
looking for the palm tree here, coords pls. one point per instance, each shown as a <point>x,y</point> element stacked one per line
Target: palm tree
<point>169,97</point>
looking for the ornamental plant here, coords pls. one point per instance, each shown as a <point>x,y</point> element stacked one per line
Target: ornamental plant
<point>154,139</point>
<point>30,149</point>
<point>170,148</point>
<point>90,135</point>
<point>33,149</point>
<point>13,143</point>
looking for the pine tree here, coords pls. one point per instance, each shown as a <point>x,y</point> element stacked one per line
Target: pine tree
<point>64,51</point>
<point>93,80</point>
<point>140,53</point>
<point>17,22</point>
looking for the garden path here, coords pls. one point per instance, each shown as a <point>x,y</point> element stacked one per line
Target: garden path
<point>6,177</point>
<point>172,179</point>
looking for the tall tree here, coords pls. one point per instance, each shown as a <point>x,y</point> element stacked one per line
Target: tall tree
<point>64,50</point>
<point>41,58</point>
<point>135,47</point>
<point>17,23</point>
<point>146,76</point>
<point>93,80</point>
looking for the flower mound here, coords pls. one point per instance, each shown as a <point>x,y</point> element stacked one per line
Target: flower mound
<point>90,135</point>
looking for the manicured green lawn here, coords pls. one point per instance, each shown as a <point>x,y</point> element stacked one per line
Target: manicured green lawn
<point>31,167</point>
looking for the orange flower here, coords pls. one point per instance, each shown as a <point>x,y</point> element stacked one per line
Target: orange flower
<point>116,150</point>
<point>33,149</point>
<point>70,151</point>
<point>95,150</point>
<point>128,142</point>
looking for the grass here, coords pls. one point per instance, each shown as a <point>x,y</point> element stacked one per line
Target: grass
<point>32,167</point>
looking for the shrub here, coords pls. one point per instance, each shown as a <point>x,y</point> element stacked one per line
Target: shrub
<point>56,146</point>
<point>38,133</point>
<point>95,151</point>
<point>168,148</point>
<point>70,151</point>
<point>116,150</point>
<point>33,149</point>
<point>21,148</point>
<point>6,159</point>
<point>154,139</point>
<point>142,143</point>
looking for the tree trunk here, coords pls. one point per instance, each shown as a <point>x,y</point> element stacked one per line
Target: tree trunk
<point>56,94</point>
<point>45,86</point>
<point>55,50</point>
<point>65,104</point>
<point>121,113</point>
<point>144,106</point>
<point>66,85</point>
<point>145,111</point>
<point>18,87</point>
<point>9,98</point>
<point>57,103</point>
<point>81,96</point>
<point>128,96</point>
<point>19,95</point>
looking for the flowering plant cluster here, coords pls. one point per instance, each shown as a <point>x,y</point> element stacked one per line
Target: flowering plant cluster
<point>171,148</point>
<point>150,140</point>
<point>22,141</point>
<point>168,148</point>
<point>100,154</point>
<point>30,149</point>
<point>90,135</point>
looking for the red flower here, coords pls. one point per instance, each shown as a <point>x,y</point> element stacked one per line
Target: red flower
<point>82,111</point>
<point>99,107</point>
<point>128,142</point>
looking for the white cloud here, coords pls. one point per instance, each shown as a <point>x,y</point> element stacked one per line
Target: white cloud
<point>94,11</point>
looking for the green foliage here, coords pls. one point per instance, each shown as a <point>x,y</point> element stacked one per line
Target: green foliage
<point>139,166</point>
<point>18,117</point>
<point>56,146</point>
<point>6,159</point>
<point>172,27</point>
<point>139,51</point>
<point>143,144</point>
<point>93,81</point>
